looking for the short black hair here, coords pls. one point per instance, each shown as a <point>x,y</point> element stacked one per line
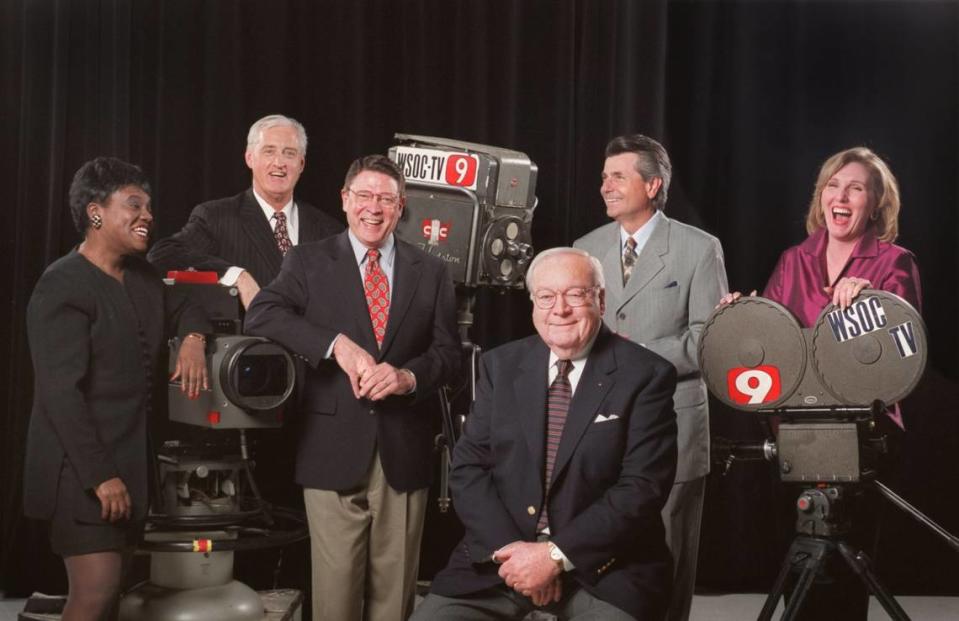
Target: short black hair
<point>96,180</point>
<point>376,163</point>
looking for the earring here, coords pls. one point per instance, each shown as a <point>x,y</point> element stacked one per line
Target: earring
<point>96,221</point>
<point>874,215</point>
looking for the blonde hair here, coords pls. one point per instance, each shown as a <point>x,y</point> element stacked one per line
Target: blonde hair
<point>883,190</point>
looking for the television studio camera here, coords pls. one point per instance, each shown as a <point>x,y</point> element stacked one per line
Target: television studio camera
<point>826,385</point>
<point>206,503</point>
<point>472,206</point>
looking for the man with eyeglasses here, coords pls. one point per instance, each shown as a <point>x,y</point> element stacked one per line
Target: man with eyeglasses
<point>664,279</point>
<point>565,463</point>
<point>375,320</point>
<point>243,238</point>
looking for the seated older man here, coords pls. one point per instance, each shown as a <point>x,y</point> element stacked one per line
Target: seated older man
<point>564,465</point>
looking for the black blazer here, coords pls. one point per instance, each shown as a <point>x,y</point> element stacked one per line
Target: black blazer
<point>613,472</point>
<point>232,231</point>
<point>95,345</point>
<point>319,294</point>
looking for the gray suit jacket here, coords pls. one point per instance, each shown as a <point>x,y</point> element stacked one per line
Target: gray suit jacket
<point>676,282</point>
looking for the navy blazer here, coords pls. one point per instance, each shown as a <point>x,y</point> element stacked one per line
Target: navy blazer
<point>319,294</point>
<point>233,231</point>
<point>614,469</point>
<point>95,345</point>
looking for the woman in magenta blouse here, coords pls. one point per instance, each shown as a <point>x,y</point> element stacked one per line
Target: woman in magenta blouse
<point>852,221</point>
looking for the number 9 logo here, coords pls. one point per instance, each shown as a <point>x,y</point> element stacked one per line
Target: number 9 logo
<point>754,385</point>
<point>461,171</point>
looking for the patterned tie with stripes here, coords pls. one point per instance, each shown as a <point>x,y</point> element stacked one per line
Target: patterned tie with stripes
<point>280,233</point>
<point>557,405</point>
<point>629,259</point>
<point>377,289</point>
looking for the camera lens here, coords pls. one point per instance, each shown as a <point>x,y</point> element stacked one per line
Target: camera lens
<point>261,375</point>
<point>255,374</point>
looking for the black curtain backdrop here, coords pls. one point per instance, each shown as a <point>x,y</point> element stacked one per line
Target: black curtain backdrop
<point>749,98</point>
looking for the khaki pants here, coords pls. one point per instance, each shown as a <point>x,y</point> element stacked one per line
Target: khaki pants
<point>365,547</point>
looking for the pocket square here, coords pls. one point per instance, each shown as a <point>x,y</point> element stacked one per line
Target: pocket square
<point>671,283</point>
<point>603,418</point>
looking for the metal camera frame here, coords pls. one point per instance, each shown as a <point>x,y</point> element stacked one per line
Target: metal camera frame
<point>825,440</point>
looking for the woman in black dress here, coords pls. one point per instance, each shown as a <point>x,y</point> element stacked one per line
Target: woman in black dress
<point>96,323</point>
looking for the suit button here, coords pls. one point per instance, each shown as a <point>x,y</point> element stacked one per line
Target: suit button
<point>372,411</point>
<point>622,315</point>
<point>531,510</point>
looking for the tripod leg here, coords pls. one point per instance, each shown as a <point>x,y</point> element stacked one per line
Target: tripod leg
<point>808,555</point>
<point>860,564</point>
<point>779,587</point>
<point>803,585</point>
<point>804,553</point>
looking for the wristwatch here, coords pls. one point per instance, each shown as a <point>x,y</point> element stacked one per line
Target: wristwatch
<point>555,555</point>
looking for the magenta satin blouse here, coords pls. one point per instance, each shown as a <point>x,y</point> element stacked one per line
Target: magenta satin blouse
<point>798,280</point>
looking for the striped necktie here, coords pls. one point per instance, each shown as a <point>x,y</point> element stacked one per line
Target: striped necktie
<point>557,406</point>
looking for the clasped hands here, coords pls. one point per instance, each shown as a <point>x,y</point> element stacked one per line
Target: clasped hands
<point>367,378</point>
<point>527,568</point>
<point>843,292</point>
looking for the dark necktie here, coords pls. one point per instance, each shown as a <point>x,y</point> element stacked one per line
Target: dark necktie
<point>280,234</point>
<point>557,406</point>
<point>629,259</point>
<point>377,289</point>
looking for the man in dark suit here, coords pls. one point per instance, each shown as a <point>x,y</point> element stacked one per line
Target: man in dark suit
<point>243,238</point>
<point>374,318</point>
<point>564,466</point>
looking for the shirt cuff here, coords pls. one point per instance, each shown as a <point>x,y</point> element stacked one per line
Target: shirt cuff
<point>231,275</point>
<point>412,378</point>
<point>567,564</point>
<point>329,350</point>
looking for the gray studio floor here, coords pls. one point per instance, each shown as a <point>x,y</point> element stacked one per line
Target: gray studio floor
<point>732,607</point>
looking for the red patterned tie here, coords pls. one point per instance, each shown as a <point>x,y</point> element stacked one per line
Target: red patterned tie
<point>557,405</point>
<point>377,290</point>
<point>280,234</point>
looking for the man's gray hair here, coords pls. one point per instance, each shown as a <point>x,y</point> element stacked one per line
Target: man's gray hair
<point>255,135</point>
<point>598,279</point>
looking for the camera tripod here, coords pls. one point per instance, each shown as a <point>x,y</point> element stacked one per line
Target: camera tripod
<point>821,527</point>
<point>452,423</point>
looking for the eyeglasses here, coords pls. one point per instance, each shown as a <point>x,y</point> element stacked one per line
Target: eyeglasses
<point>387,200</point>
<point>575,297</point>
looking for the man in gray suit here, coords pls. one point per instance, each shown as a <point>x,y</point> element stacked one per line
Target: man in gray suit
<point>663,278</point>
